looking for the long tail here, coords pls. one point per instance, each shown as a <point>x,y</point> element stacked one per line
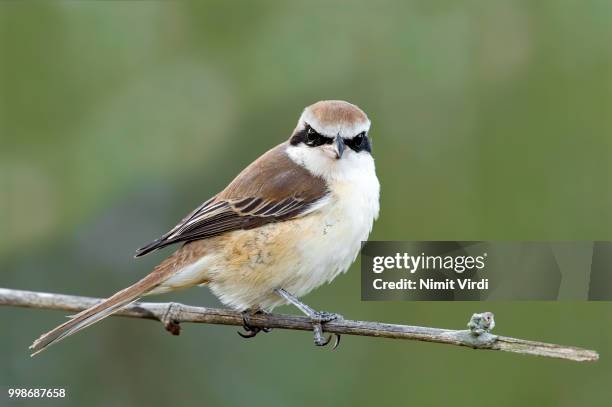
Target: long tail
<point>99,311</point>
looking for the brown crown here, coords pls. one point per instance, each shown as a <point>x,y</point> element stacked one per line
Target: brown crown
<point>335,111</point>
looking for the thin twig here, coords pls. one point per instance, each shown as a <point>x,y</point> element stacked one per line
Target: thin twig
<point>475,337</point>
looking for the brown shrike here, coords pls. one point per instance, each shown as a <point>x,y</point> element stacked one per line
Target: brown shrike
<point>291,221</point>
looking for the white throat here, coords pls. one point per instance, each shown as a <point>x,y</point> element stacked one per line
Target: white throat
<point>351,167</point>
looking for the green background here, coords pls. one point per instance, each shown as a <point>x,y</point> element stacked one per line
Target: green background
<point>491,120</point>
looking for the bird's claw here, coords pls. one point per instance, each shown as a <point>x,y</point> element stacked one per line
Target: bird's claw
<point>248,335</point>
<point>251,331</point>
<point>324,341</point>
<point>318,319</point>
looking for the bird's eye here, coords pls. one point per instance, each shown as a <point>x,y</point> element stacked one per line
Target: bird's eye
<point>311,135</point>
<point>359,143</point>
<point>358,140</point>
<point>314,139</point>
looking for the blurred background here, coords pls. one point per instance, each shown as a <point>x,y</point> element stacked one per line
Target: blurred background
<point>491,120</point>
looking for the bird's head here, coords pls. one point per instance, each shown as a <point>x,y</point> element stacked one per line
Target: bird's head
<point>331,140</point>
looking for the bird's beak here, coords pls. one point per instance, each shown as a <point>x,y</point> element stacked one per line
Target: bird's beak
<point>338,146</point>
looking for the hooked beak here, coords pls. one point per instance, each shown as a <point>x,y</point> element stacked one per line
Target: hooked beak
<point>338,147</point>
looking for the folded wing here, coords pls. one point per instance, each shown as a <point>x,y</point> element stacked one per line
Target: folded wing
<point>271,189</point>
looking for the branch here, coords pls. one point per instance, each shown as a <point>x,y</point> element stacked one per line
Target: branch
<point>171,314</point>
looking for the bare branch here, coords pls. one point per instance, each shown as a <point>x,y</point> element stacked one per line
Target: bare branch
<point>171,314</point>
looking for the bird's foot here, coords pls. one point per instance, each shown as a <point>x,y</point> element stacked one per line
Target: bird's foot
<point>324,316</point>
<point>251,331</point>
<point>318,319</point>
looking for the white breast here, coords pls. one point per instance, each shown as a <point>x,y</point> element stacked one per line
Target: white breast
<point>332,248</point>
<point>336,231</point>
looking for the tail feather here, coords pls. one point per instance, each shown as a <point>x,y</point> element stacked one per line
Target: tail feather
<point>154,245</point>
<point>97,312</point>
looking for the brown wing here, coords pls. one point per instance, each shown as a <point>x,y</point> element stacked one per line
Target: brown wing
<point>271,189</point>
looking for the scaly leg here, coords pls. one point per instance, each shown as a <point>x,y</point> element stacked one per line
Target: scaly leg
<point>318,318</point>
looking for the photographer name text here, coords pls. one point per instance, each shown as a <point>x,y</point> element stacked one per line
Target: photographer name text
<point>411,264</point>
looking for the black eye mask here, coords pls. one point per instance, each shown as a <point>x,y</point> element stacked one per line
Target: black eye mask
<point>312,138</point>
<point>360,142</point>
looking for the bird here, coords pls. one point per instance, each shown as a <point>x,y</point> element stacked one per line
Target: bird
<point>291,221</point>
